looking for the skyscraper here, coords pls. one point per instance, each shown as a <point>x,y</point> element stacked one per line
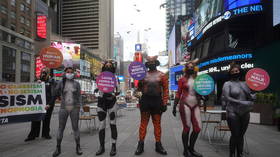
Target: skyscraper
<point>175,8</point>
<point>90,23</point>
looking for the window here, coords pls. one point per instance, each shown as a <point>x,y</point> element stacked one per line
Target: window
<point>13,2</point>
<point>22,7</point>
<point>28,1</point>
<point>27,44</point>
<point>25,67</point>
<point>4,22</point>
<point>3,9</point>
<point>27,22</point>
<point>13,14</point>
<point>22,19</point>
<point>13,39</point>
<point>9,60</point>
<point>20,42</point>
<point>22,30</point>
<point>13,27</point>
<point>27,9</point>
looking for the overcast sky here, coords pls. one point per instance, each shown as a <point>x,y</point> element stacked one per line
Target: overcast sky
<point>137,15</point>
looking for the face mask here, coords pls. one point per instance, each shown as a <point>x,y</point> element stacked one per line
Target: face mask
<point>190,72</point>
<point>110,69</point>
<point>152,67</point>
<point>235,76</point>
<point>69,76</point>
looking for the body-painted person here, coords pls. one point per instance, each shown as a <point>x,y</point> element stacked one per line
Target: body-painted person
<point>189,102</point>
<point>154,88</point>
<point>70,92</point>
<point>238,99</point>
<point>107,106</point>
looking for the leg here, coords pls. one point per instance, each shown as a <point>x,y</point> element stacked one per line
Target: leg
<point>186,121</point>
<point>74,116</point>
<point>62,119</point>
<point>113,126</point>
<point>46,124</point>
<point>35,131</point>
<point>234,126</point>
<point>145,117</point>
<point>101,113</point>
<point>157,131</point>
<point>196,122</point>
<point>244,122</point>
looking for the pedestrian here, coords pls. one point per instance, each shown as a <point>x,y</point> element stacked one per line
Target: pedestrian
<point>153,102</point>
<point>189,108</point>
<point>46,76</point>
<point>70,92</point>
<point>107,106</point>
<point>238,99</point>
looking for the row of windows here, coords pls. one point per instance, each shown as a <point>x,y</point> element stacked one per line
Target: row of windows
<point>9,70</point>
<point>4,36</point>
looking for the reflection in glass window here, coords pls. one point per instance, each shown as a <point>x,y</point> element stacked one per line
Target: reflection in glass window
<point>25,67</point>
<point>3,9</point>
<point>13,14</point>
<point>13,2</point>
<point>22,19</point>
<point>9,60</point>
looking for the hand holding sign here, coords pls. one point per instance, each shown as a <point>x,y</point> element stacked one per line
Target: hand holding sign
<point>106,82</point>
<point>257,79</point>
<point>137,70</point>
<point>204,84</point>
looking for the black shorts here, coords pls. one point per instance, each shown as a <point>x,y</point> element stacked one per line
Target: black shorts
<point>151,104</point>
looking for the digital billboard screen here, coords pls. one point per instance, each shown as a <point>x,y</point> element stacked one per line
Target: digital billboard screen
<point>276,12</point>
<point>42,26</point>
<point>232,4</point>
<point>70,52</point>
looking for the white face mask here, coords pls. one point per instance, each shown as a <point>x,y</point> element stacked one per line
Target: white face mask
<point>69,76</point>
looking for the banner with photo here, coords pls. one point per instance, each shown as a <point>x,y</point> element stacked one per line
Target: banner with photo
<point>22,102</point>
<point>71,53</point>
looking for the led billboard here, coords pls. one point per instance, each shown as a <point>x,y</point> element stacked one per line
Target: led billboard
<point>232,4</point>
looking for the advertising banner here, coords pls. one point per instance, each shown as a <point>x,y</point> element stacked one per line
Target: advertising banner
<point>39,66</point>
<point>42,26</point>
<point>84,68</point>
<point>22,102</point>
<point>175,73</point>
<point>70,52</point>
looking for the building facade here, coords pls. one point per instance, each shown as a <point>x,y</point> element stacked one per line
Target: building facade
<point>89,23</point>
<point>118,54</point>
<point>176,8</point>
<point>17,40</point>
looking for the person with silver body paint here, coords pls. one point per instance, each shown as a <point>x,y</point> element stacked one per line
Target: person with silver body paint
<point>70,92</point>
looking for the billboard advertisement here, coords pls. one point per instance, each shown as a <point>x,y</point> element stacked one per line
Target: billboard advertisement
<point>276,12</point>
<point>84,68</point>
<point>70,52</point>
<point>232,4</point>
<point>175,74</point>
<point>172,47</point>
<point>42,26</point>
<point>207,10</point>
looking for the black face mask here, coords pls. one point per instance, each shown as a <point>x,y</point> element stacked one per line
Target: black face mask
<point>235,76</point>
<point>152,67</point>
<point>110,69</point>
<point>190,72</point>
<point>43,76</point>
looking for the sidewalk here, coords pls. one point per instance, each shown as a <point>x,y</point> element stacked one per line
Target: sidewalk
<point>262,140</point>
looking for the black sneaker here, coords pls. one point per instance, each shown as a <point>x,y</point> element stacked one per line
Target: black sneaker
<point>29,139</point>
<point>48,137</point>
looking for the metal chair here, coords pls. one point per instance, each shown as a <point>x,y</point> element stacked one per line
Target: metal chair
<point>86,116</point>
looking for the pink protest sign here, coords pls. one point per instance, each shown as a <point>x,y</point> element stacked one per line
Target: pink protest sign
<point>257,79</point>
<point>106,82</point>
